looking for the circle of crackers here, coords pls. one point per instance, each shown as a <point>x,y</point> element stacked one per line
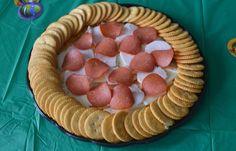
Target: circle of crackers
<point>54,102</point>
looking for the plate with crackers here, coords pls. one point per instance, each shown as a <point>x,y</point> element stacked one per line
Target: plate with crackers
<point>115,74</point>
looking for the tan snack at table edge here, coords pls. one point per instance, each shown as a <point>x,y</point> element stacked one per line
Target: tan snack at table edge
<point>194,67</point>
<point>178,101</point>
<point>130,127</point>
<point>152,122</point>
<point>165,111</point>
<point>231,47</point>
<point>92,125</point>
<point>137,125</point>
<point>107,130</point>
<point>75,121</point>
<point>173,108</point>
<point>155,109</point>
<point>68,117</point>
<point>119,128</point>
<point>183,95</point>
<point>143,123</point>
<point>83,118</point>
<point>123,125</point>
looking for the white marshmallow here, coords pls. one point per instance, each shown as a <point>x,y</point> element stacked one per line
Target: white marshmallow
<point>83,100</point>
<point>138,95</point>
<point>127,30</point>
<point>110,61</point>
<point>125,59</point>
<point>97,34</point>
<point>88,53</point>
<point>161,72</point>
<point>149,100</point>
<point>67,73</point>
<point>157,70</point>
<point>171,74</point>
<point>61,56</point>
<point>157,45</point>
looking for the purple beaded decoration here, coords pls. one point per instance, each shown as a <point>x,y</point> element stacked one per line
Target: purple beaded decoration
<point>29,9</point>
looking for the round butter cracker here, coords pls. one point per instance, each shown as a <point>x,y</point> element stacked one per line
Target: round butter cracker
<point>178,101</point>
<point>75,121</point>
<point>119,128</point>
<point>165,111</point>
<point>130,127</point>
<point>155,109</point>
<point>93,122</point>
<point>83,118</point>
<point>107,131</point>
<point>137,125</point>
<point>67,117</point>
<point>196,81</point>
<point>174,109</point>
<point>152,122</point>
<point>143,123</point>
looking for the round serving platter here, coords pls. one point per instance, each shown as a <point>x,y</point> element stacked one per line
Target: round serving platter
<point>120,144</point>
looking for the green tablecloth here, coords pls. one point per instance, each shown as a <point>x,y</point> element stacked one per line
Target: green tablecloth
<point>212,23</point>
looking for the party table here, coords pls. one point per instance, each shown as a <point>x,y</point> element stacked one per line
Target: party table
<point>212,126</point>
